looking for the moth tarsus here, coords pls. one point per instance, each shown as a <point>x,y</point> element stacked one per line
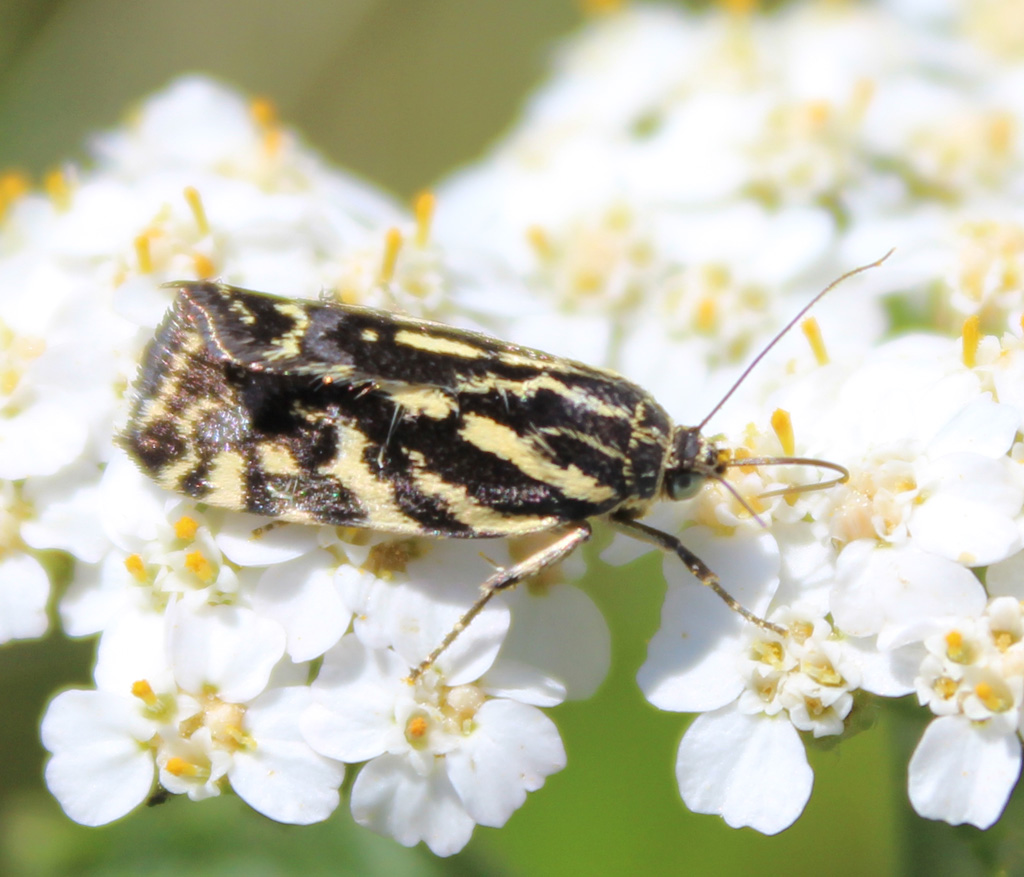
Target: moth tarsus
<point>324,413</point>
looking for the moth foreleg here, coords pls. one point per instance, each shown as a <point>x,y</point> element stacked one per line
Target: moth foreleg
<point>504,579</point>
<point>704,574</point>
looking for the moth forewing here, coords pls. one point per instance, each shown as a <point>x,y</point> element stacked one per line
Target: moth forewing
<point>335,414</point>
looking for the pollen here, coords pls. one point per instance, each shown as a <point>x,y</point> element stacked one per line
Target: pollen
<point>185,528</point>
<point>782,424</point>
<point>13,186</point>
<point>423,208</point>
<point>971,338</point>
<point>416,730</point>
<point>392,246</point>
<point>812,332</point>
<point>822,671</point>
<point>197,564</point>
<point>768,652</point>
<point>195,204</point>
<point>945,687</point>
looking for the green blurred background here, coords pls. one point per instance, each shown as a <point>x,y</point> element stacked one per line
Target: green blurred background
<point>403,91</point>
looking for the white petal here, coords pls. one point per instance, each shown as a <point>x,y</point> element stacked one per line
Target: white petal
<point>963,772</point>
<point>512,750</point>
<point>391,798</point>
<point>751,770</point>
<point>694,660</point>
<point>98,772</point>
<point>356,692</point>
<point>981,427</point>
<point>1006,578</point>
<point>230,648</point>
<point>274,544</point>
<point>40,440</point>
<point>970,533</point>
<point>301,596</point>
<point>878,588</point>
<point>563,634</point>
<point>24,590</point>
<point>282,777</point>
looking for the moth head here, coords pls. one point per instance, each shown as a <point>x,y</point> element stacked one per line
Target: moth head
<point>691,460</point>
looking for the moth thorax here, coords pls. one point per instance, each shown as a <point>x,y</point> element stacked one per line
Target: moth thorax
<point>691,459</point>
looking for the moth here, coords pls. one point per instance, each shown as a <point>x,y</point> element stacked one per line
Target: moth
<point>324,413</point>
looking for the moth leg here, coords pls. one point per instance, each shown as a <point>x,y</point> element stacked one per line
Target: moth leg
<point>507,578</point>
<point>694,564</point>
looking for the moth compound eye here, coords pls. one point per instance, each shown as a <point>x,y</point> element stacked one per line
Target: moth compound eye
<point>683,485</point>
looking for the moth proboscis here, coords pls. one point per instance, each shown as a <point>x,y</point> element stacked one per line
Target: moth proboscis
<point>323,413</point>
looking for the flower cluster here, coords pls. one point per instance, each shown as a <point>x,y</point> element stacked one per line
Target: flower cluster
<point>669,198</point>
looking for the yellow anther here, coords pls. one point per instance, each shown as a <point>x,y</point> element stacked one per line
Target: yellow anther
<point>136,568</point>
<point>822,671</point>
<point>143,255</point>
<point>144,692</point>
<point>13,185</point>
<point>783,426</point>
<point>204,266</point>
<point>540,241</point>
<point>197,564</point>
<point>1000,133</point>
<point>186,528</point>
<point>817,113</point>
<point>263,112</point>
<point>706,317</point>
<point>601,7</point>
<point>738,7</point>
<point>945,687</point>
<point>812,332</point>
<point>58,188</point>
<point>195,204</point>
<point>416,727</point>
<point>181,768</point>
<point>971,339</point>
<point>957,648</point>
<point>423,207</point>
<point>1003,639</point>
<point>392,246</point>
<point>801,631</point>
<point>996,701</point>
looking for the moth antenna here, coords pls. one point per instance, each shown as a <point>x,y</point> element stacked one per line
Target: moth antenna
<point>843,476</point>
<point>785,329</point>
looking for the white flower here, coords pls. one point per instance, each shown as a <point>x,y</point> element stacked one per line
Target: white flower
<point>969,758</point>
<point>447,751</point>
<point>189,697</point>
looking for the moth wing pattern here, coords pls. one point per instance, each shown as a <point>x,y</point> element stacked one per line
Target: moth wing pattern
<point>339,414</point>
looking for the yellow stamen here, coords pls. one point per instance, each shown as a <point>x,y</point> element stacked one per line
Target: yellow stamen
<point>812,332</point>
<point>996,701</point>
<point>971,339</point>
<point>181,768</point>
<point>945,687</point>
<point>601,7</point>
<point>263,112</point>
<point>1003,639</point>
<point>783,426</point>
<point>540,241</point>
<point>197,564</point>
<point>204,266</point>
<point>195,203</point>
<point>143,255</point>
<point>822,671</point>
<point>738,7</point>
<point>706,317</point>
<point>136,568</point>
<point>58,188</point>
<point>423,208</point>
<point>186,527</point>
<point>13,185</point>
<point>801,631</point>
<point>144,692</point>
<point>957,650</point>
<point>768,652</point>
<point>392,246</point>
<point>1001,133</point>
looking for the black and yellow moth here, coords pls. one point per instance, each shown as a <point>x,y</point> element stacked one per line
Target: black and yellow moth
<point>323,413</point>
